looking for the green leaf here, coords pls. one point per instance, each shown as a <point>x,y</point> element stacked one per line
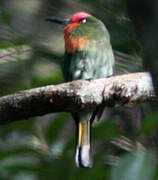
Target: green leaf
<point>137,166</point>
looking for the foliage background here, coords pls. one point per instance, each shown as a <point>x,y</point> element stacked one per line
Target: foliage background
<point>42,148</point>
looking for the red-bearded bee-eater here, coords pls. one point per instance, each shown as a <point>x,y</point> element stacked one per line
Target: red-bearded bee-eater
<point>88,55</point>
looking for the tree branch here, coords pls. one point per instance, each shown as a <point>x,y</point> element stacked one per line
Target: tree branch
<point>76,96</point>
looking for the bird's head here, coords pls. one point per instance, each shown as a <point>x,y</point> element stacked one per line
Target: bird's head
<point>75,20</point>
<point>81,28</point>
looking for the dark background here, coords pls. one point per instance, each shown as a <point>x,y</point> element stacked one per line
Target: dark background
<point>42,148</point>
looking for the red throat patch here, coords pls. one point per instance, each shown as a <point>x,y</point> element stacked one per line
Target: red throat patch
<point>73,43</point>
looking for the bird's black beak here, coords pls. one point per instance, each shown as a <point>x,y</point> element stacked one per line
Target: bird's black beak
<point>59,20</point>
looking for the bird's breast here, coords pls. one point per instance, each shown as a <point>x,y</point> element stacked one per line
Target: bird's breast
<point>73,44</point>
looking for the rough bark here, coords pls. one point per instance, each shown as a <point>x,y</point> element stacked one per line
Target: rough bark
<point>76,96</point>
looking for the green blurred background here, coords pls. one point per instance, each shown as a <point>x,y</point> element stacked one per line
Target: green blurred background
<point>42,148</point>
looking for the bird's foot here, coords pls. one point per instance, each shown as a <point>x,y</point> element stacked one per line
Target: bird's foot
<point>89,79</point>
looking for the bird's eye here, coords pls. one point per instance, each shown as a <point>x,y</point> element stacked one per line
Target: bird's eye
<point>84,20</point>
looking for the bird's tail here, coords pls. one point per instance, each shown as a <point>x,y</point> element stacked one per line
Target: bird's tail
<point>83,155</point>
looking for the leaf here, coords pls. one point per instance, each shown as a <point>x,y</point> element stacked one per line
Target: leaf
<point>137,166</point>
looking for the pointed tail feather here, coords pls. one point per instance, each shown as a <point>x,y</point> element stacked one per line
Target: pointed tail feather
<point>83,155</point>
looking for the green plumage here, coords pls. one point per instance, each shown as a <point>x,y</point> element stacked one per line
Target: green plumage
<point>94,60</point>
<point>88,55</point>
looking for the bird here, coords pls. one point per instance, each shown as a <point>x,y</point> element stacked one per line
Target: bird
<point>88,55</point>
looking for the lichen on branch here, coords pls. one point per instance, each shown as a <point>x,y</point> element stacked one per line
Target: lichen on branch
<point>80,95</point>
